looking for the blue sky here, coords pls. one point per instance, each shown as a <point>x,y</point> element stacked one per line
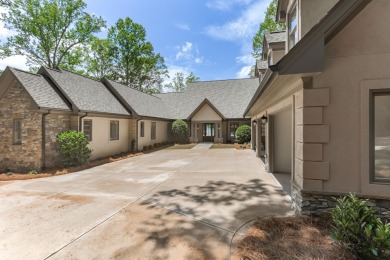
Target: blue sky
<point>212,38</point>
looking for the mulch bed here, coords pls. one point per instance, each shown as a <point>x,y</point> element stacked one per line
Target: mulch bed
<point>235,145</point>
<point>301,238</point>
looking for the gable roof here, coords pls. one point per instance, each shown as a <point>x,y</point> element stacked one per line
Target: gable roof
<point>229,97</point>
<point>39,89</point>
<point>139,102</point>
<point>85,94</point>
<point>307,56</point>
<point>204,102</point>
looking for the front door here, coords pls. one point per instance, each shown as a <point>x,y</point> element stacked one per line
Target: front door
<point>208,132</point>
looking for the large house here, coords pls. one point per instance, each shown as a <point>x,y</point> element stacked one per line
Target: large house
<point>321,114</point>
<point>35,108</point>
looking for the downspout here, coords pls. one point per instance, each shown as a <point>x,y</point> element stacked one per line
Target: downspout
<point>43,164</point>
<point>136,133</point>
<point>81,122</point>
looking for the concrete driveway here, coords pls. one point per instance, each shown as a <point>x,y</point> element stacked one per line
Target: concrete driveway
<point>171,204</point>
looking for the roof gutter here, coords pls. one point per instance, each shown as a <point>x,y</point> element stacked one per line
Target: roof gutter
<point>269,76</point>
<point>81,122</point>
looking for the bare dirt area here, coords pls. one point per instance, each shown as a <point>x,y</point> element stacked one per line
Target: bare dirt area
<point>182,146</point>
<point>290,238</point>
<point>10,176</point>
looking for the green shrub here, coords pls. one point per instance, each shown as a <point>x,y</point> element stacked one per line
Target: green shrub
<point>357,229</point>
<point>243,134</point>
<point>180,130</point>
<point>33,172</point>
<point>10,173</point>
<point>150,147</point>
<point>73,148</point>
<point>144,148</point>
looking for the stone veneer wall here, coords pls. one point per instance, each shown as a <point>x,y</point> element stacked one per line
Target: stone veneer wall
<point>16,104</point>
<point>55,124</point>
<point>307,203</point>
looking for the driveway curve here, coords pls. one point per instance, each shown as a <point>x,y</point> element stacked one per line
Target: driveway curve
<point>170,204</point>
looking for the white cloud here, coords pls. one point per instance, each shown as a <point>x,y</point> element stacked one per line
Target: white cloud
<point>241,31</point>
<point>225,5</point>
<point>17,61</point>
<point>189,53</point>
<point>183,26</point>
<point>243,27</point>
<point>244,72</point>
<point>4,33</point>
<point>246,59</point>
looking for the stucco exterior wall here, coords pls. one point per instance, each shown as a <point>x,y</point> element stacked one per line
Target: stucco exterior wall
<point>27,156</point>
<point>101,144</point>
<point>311,12</point>
<point>359,53</point>
<point>161,133</point>
<point>206,113</point>
<point>277,56</point>
<point>283,141</point>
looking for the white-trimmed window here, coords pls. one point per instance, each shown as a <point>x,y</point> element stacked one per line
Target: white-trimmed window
<point>380,136</point>
<point>114,130</point>
<point>153,131</point>
<point>17,131</point>
<point>293,27</point>
<point>87,129</point>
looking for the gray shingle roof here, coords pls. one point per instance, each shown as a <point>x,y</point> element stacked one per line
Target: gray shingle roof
<point>229,97</point>
<point>87,94</point>
<point>262,64</point>
<point>40,90</point>
<point>143,104</point>
<point>275,37</point>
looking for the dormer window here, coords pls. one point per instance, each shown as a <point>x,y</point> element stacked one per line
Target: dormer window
<point>293,28</point>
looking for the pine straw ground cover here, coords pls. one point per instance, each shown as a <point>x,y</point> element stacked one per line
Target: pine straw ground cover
<point>301,238</point>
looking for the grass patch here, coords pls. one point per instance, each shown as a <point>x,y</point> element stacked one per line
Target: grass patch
<point>182,146</point>
<point>290,238</point>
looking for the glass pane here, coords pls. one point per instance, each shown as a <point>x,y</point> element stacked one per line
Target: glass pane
<point>293,19</point>
<point>382,136</point>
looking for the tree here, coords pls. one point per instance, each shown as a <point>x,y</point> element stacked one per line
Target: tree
<point>179,83</point>
<point>192,78</point>
<point>268,25</point>
<point>134,62</point>
<point>98,58</point>
<point>47,31</point>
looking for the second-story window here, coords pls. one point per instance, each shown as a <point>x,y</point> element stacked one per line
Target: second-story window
<point>293,28</point>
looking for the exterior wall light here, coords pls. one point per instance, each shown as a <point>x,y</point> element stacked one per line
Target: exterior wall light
<point>264,119</point>
<point>254,123</point>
